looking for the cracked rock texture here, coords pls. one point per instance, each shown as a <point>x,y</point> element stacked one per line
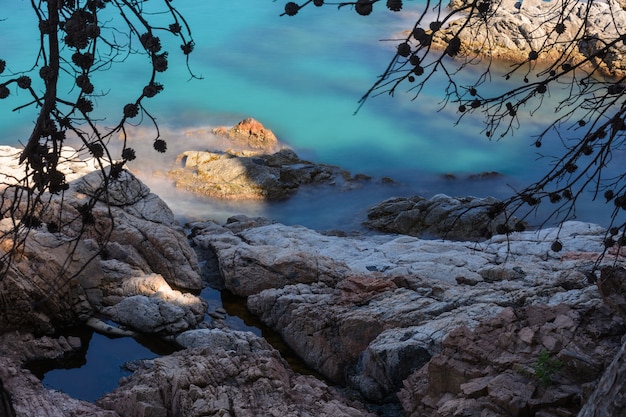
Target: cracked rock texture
<point>370,311</point>
<point>226,374</point>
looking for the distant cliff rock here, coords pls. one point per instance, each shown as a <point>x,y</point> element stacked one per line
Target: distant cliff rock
<point>513,33</point>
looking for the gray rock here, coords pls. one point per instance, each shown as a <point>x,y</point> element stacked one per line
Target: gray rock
<point>454,218</point>
<point>235,373</point>
<point>153,315</point>
<point>245,175</point>
<point>351,307</point>
<point>41,292</point>
<point>123,191</point>
<point>229,340</point>
<point>512,33</point>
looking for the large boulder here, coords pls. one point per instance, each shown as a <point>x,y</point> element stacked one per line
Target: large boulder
<point>441,216</point>
<point>251,175</point>
<point>64,278</point>
<point>249,269</point>
<point>225,373</point>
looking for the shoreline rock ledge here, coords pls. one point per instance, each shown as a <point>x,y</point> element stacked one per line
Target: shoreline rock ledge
<point>146,282</point>
<point>503,327</point>
<point>441,216</point>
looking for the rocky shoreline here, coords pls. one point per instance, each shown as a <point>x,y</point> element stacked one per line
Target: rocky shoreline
<point>396,325</point>
<point>512,33</point>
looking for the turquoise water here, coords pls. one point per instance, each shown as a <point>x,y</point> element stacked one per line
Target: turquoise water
<point>302,77</point>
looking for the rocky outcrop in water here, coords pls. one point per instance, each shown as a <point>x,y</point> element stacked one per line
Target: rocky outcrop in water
<point>453,218</point>
<point>251,175</point>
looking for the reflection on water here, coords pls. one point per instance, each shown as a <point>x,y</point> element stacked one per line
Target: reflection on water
<point>98,366</point>
<point>236,309</point>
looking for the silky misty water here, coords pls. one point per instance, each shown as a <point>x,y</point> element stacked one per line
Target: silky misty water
<point>301,77</point>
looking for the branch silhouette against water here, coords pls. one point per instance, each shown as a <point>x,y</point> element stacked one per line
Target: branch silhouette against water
<point>78,40</point>
<point>560,61</point>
